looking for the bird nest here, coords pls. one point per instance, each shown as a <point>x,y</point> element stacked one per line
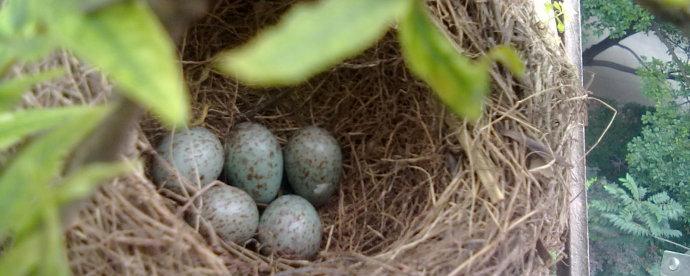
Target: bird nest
<point>422,191</point>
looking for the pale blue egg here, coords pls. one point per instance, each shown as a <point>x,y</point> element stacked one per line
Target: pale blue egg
<point>313,162</point>
<point>254,161</point>
<point>196,154</point>
<point>290,227</point>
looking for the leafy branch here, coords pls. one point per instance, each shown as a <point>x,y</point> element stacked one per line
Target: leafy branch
<point>123,39</point>
<point>556,9</point>
<point>630,209</point>
<point>337,30</point>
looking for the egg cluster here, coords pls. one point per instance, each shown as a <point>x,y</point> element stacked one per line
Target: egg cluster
<point>257,168</point>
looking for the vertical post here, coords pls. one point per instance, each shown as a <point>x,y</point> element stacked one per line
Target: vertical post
<point>578,238</point>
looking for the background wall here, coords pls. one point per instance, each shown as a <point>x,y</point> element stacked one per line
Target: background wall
<point>623,87</point>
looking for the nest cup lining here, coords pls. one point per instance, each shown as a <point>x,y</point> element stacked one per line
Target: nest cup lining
<point>411,198</point>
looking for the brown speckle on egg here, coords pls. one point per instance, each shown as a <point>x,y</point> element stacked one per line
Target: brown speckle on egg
<point>232,213</point>
<point>196,154</point>
<point>290,227</point>
<point>252,162</point>
<point>313,164</point>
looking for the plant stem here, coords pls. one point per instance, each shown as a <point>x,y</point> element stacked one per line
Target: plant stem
<point>672,242</point>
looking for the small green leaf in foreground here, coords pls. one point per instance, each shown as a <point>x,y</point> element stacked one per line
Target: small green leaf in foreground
<point>81,183</point>
<point>676,3</point>
<point>431,56</point>
<point>509,58</point>
<point>17,17</point>
<point>54,261</point>
<point>22,256</point>
<point>11,90</point>
<point>25,180</point>
<point>17,125</point>
<point>126,42</point>
<point>23,49</point>
<point>311,38</point>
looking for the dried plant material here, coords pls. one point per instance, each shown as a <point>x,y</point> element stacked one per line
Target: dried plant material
<point>404,206</point>
<point>535,146</point>
<point>537,165</point>
<point>479,161</point>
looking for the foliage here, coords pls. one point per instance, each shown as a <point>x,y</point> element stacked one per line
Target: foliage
<point>148,75</point>
<point>623,219</point>
<point>124,40</point>
<point>337,30</point>
<point>12,90</point>
<point>617,17</point>
<point>660,157</point>
<point>631,210</point>
<point>556,8</point>
<point>433,59</point>
<point>609,154</point>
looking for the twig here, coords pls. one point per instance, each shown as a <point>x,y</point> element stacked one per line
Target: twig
<point>601,136</point>
<point>672,242</point>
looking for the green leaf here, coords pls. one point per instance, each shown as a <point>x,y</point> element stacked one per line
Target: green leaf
<point>17,125</point>
<point>20,33</point>
<point>507,56</point>
<point>311,38</point>
<point>22,257</point>
<point>431,56</point>
<point>23,49</point>
<point>17,17</point>
<point>125,41</point>
<point>560,26</point>
<point>676,3</point>
<point>11,90</point>
<point>81,183</point>
<point>55,260</point>
<point>26,179</point>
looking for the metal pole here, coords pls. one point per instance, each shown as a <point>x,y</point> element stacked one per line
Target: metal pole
<point>578,238</point>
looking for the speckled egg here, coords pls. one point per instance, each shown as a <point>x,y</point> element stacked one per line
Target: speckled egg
<point>194,152</point>
<point>313,163</point>
<point>290,227</point>
<point>232,213</point>
<point>254,161</point>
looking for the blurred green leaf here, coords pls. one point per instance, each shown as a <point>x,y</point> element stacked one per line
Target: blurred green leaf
<point>21,37</point>
<point>22,257</point>
<point>25,179</point>
<point>431,56</point>
<point>676,3</point>
<point>81,183</point>
<point>126,41</point>
<point>311,38</point>
<point>11,90</point>
<point>55,260</point>
<point>15,126</point>
<point>17,17</point>
<point>507,56</point>
<point>23,49</point>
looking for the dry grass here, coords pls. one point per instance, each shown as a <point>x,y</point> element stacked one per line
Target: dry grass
<point>422,192</point>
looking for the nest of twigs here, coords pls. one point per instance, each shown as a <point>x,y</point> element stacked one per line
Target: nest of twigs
<point>422,191</point>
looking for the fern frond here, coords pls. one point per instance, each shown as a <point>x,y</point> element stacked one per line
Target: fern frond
<point>627,226</point>
<point>659,198</point>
